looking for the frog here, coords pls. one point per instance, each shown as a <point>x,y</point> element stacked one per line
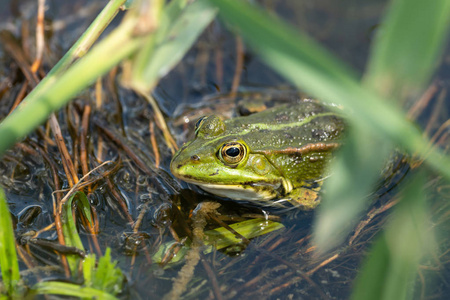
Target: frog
<point>276,157</point>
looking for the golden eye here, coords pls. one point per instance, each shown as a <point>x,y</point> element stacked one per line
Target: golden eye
<point>232,153</point>
<point>199,123</point>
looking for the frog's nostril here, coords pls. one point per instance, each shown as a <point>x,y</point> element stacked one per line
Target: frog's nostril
<point>195,158</point>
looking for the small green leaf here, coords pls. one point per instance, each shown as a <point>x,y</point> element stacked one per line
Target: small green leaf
<point>105,276</point>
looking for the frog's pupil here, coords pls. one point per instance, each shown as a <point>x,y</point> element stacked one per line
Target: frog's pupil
<point>232,152</point>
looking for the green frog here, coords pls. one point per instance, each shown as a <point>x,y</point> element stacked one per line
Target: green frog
<point>278,156</point>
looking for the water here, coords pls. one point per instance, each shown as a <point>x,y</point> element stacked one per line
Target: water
<point>278,265</point>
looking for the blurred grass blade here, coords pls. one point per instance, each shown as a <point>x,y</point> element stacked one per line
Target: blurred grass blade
<point>37,107</point>
<point>408,44</point>
<point>70,289</point>
<point>9,265</point>
<point>392,264</point>
<point>355,170</point>
<point>221,237</point>
<point>82,45</point>
<point>180,28</point>
<point>317,72</point>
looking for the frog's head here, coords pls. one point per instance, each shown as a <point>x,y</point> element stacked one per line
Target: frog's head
<point>221,163</point>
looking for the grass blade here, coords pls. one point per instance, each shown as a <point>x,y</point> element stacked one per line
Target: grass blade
<point>179,30</point>
<point>70,289</point>
<point>393,261</point>
<point>9,265</point>
<point>355,170</point>
<point>408,46</point>
<point>317,72</point>
<point>71,236</point>
<point>38,106</point>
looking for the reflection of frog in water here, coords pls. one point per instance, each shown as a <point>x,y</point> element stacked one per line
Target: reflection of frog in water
<point>281,152</point>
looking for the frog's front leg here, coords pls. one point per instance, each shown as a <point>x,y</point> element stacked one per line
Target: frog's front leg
<point>304,198</point>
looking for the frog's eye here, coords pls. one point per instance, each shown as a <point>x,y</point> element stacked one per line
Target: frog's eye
<point>199,123</point>
<point>232,153</point>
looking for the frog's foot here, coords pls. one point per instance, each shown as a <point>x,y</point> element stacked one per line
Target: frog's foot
<point>304,198</point>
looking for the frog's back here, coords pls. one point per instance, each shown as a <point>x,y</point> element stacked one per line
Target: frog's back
<point>288,126</point>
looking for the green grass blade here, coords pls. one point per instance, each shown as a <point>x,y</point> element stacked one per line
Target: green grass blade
<point>50,94</point>
<point>70,289</point>
<point>71,236</point>
<point>180,28</point>
<point>9,265</point>
<point>355,170</point>
<point>317,72</point>
<point>408,45</point>
<point>83,44</point>
<point>84,206</point>
<point>392,263</point>
<point>38,106</point>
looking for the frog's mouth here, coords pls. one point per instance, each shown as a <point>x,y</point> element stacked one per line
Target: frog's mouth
<point>241,192</point>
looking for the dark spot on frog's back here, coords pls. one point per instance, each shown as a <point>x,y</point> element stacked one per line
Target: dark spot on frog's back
<point>281,117</point>
<point>288,136</point>
<point>318,134</point>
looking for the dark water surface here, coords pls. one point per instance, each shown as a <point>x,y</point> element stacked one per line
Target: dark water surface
<point>279,265</point>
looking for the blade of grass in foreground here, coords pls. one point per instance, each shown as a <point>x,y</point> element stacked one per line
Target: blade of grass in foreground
<point>393,261</point>
<point>315,71</point>
<point>407,47</point>
<point>347,192</point>
<point>9,265</point>
<point>182,31</point>
<point>108,53</point>
<point>70,289</point>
